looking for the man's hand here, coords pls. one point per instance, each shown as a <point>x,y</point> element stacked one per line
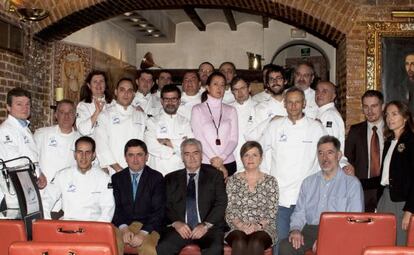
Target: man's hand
<point>296,238</point>
<point>199,231</point>
<point>315,245</point>
<point>183,229</point>
<point>41,181</point>
<point>349,169</point>
<point>216,161</point>
<point>127,235</point>
<point>138,239</point>
<point>166,142</point>
<point>406,220</point>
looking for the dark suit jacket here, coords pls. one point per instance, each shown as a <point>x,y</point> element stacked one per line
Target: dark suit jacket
<point>212,197</point>
<point>149,205</point>
<point>356,150</point>
<point>401,175</point>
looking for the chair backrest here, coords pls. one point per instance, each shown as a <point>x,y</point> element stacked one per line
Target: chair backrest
<point>410,232</point>
<point>75,231</point>
<point>54,248</point>
<point>11,231</point>
<point>389,250</point>
<point>349,233</point>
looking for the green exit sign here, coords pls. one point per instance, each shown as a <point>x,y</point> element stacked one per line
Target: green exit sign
<point>305,52</point>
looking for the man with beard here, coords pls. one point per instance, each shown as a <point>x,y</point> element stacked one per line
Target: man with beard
<point>204,71</point>
<point>265,94</point>
<point>304,76</point>
<point>166,131</point>
<point>406,91</point>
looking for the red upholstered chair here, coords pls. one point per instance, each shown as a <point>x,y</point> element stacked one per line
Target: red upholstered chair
<point>350,233</point>
<point>55,248</point>
<point>11,231</point>
<point>389,250</point>
<point>75,231</point>
<point>410,232</point>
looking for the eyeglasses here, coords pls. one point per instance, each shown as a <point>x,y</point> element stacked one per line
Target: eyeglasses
<point>170,99</point>
<point>277,79</point>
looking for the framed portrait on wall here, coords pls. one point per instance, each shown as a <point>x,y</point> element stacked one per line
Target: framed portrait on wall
<point>390,60</point>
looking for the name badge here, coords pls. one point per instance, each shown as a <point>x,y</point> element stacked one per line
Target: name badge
<point>71,188</point>
<point>307,141</point>
<point>116,120</point>
<point>163,130</point>
<point>7,139</point>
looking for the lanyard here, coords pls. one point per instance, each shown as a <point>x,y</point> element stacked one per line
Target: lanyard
<point>218,142</point>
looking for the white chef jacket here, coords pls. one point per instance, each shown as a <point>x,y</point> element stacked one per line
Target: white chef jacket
<point>245,116</point>
<point>268,109</point>
<point>15,141</point>
<point>116,126</point>
<point>56,149</point>
<point>228,97</point>
<point>174,127</point>
<point>332,122</point>
<point>84,112</point>
<point>85,196</point>
<point>261,96</point>
<point>187,103</point>
<point>311,108</point>
<point>148,103</point>
<point>294,154</point>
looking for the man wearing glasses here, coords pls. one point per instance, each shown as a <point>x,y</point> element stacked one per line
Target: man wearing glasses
<point>166,131</point>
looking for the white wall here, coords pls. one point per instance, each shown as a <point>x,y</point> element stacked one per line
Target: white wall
<point>108,38</point>
<point>218,44</point>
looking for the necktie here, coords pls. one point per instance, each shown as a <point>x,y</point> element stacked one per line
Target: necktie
<point>375,154</point>
<point>191,203</point>
<point>134,185</point>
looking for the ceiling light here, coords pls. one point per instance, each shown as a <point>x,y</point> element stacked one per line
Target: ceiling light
<point>134,19</point>
<point>27,14</point>
<point>150,30</point>
<point>128,14</point>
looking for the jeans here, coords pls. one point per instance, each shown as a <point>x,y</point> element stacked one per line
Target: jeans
<point>282,225</point>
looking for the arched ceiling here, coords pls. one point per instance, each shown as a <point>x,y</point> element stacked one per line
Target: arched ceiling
<point>328,19</point>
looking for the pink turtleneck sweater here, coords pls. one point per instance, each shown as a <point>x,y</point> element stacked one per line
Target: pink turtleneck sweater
<point>205,132</point>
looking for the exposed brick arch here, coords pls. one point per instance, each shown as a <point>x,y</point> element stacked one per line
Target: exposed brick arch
<point>327,19</point>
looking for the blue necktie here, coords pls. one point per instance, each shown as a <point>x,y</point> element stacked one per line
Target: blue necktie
<point>134,185</point>
<point>191,203</point>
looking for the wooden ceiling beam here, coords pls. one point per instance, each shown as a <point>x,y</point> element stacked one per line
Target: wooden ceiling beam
<point>230,19</point>
<point>197,21</point>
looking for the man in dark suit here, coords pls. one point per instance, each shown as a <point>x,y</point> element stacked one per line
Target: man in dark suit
<point>196,202</point>
<point>139,194</point>
<point>364,146</point>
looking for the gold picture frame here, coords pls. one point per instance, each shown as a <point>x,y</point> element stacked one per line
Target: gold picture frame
<point>376,32</point>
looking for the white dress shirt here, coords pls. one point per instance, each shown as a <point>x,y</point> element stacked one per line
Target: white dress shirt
<point>16,140</point>
<point>294,154</point>
<point>116,126</point>
<point>85,196</point>
<point>174,127</point>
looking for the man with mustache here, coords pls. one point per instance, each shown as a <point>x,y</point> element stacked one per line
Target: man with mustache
<point>303,79</point>
<point>336,191</point>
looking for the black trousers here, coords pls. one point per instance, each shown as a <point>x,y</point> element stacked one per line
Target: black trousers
<point>171,242</point>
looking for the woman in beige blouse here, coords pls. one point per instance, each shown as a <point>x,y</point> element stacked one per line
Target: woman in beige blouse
<point>252,205</point>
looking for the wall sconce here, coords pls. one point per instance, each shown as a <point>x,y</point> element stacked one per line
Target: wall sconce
<point>26,14</point>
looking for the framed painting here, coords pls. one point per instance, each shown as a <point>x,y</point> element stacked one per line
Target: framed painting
<point>390,60</point>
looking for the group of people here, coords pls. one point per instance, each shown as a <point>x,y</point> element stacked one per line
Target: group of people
<point>208,162</point>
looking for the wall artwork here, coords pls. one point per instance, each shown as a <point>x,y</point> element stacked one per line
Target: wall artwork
<point>390,60</point>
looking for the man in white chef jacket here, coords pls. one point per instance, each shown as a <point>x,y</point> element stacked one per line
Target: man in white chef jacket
<point>117,124</point>
<point>16,140</point>
<point>85,190</point>
<point>166,131</point>
<point>245,113</point>
<point>303,79</point>
<point>143,99</point>
<point>191,93</point>
<point>55,144</point>
<point>292,141</point>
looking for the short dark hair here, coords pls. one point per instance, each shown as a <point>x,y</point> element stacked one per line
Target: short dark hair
<point>65,101</point>
<point>275,69</point>
<point>330,139</point>
<point>135,143</point>
<point>17,92</point>
<point>86,139</point>
<point>236,79</point>
<point>145,71</point>
<point>373,93</point>
<point>170,88</point>
<point>125,79</point>
<point>250,145</point>
<point>194,72</point>
<point>86,92</point>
